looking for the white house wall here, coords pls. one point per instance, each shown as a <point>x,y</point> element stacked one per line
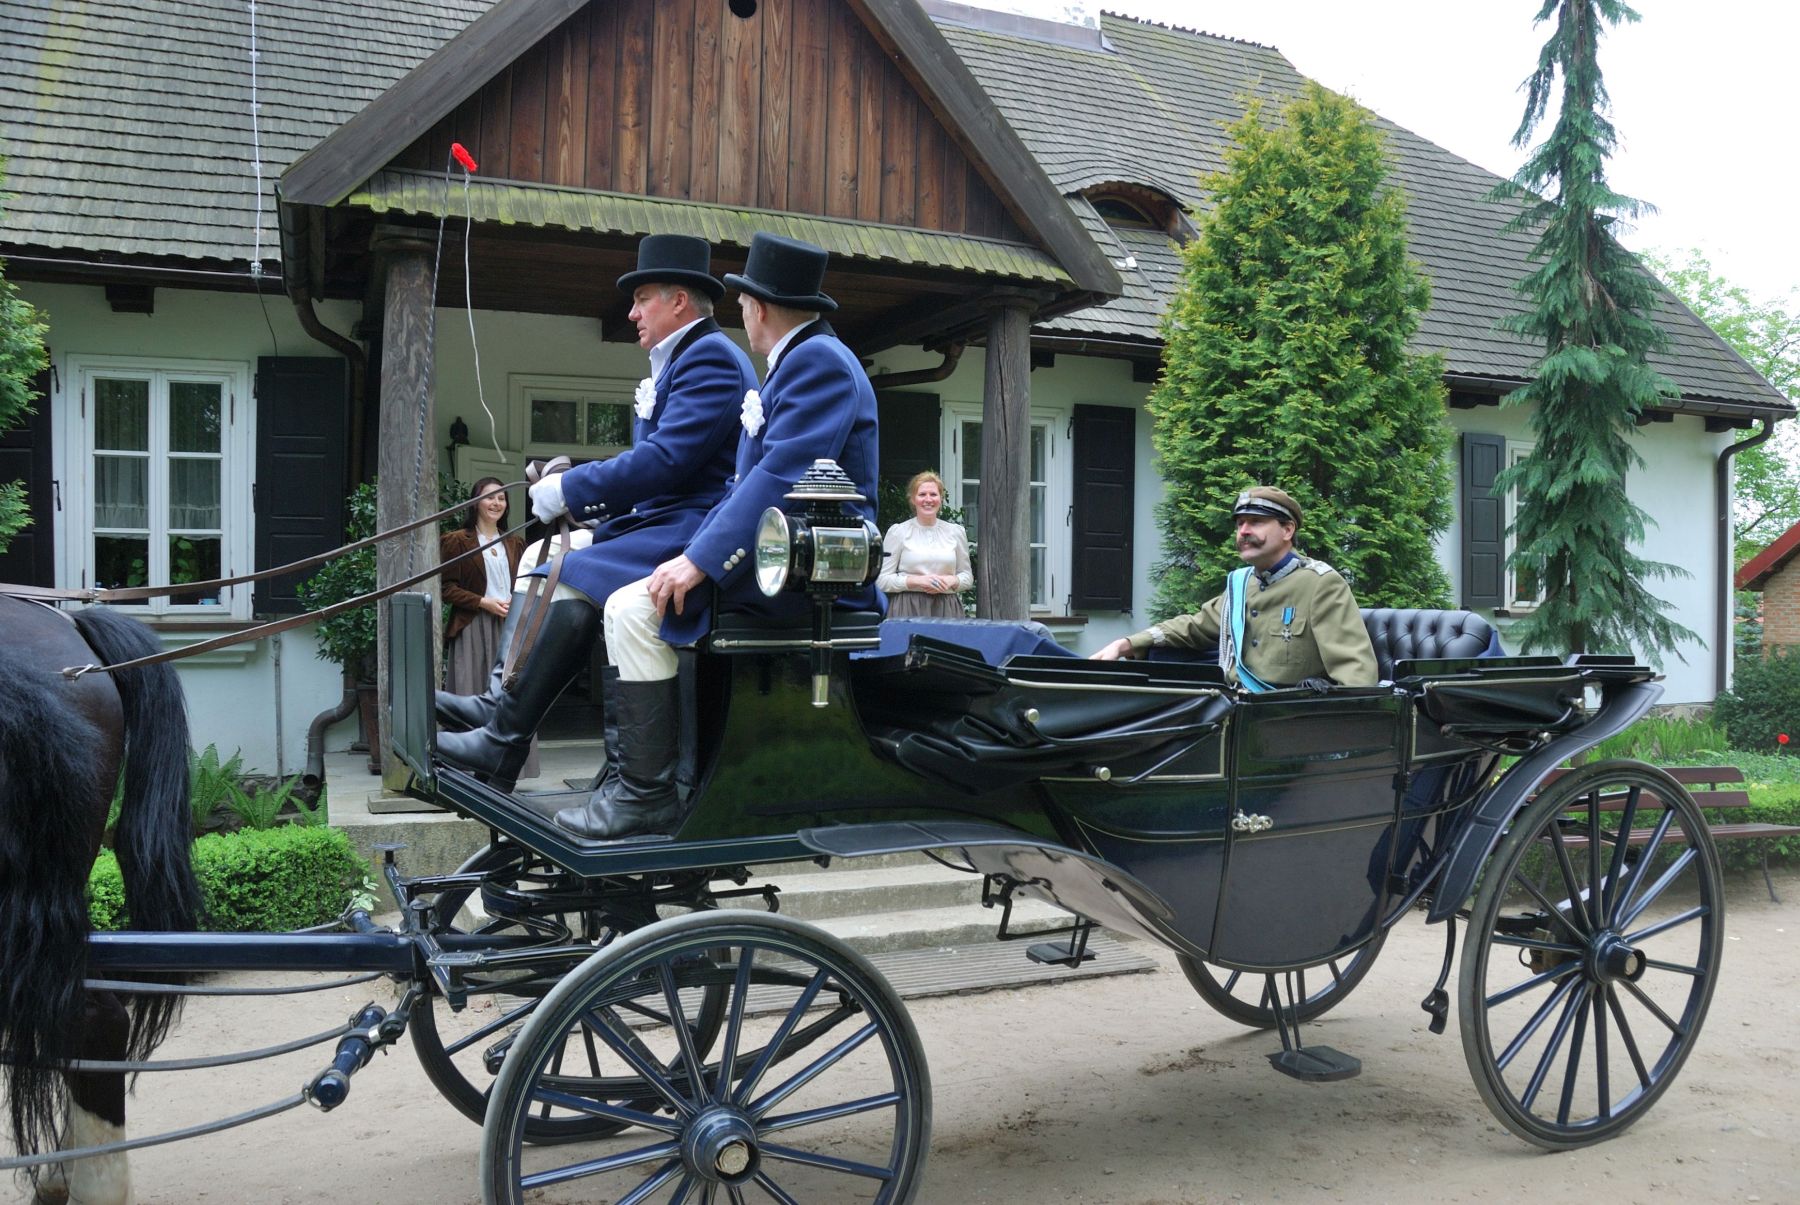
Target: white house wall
<point>255,698</point>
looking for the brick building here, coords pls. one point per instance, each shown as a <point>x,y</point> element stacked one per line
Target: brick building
<point>1775,572</point>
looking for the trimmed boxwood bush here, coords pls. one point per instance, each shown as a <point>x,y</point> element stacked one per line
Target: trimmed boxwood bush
<point>253,881</point>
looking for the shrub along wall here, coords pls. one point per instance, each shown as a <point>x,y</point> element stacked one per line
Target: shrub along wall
<point>252,881</point>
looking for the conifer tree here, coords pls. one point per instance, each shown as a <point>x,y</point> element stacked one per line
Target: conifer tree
<point>1576,532</point>
<point>1285,363</point>
<point>21,359</point>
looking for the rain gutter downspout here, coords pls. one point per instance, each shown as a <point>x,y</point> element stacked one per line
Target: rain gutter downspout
<point>920,376</point>
<point>359,367</point>
<point>1722,642</point>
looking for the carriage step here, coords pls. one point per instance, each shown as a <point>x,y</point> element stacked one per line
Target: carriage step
<point>1316,1064</point>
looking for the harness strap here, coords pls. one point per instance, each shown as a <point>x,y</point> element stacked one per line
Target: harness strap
<point>137,593</point>
<point>291,621</point>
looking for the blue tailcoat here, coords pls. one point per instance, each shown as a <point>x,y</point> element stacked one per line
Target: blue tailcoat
<point>651,498</point>
<point>817,403</point>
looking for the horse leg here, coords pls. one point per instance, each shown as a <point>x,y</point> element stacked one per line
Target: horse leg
<point>96,1114</point>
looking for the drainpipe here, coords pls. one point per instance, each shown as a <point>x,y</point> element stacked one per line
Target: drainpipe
<point>314,776</point>
<point>1722,641</point>
<point>359,368</point>
<point>921,376</point>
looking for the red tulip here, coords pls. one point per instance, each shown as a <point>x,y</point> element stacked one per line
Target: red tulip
<point>1781,739</point>
<point>462,156</point>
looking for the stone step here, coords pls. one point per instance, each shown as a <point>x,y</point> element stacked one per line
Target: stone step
<point>860,890</point>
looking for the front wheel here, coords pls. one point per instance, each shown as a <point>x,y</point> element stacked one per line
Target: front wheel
<point>816,1089</point>
<point>1591,956</point>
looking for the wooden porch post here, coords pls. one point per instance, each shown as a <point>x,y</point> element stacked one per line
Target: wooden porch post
<point>1003,577</point>
<point>407,486</point>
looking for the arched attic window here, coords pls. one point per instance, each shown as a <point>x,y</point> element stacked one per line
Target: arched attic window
<point>1139,207</point>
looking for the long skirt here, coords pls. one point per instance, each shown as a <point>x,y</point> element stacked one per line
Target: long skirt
<point>916,604</point>
<point>469,661</point>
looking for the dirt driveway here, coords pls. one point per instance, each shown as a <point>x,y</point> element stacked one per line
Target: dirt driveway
<point>1126,1090</point>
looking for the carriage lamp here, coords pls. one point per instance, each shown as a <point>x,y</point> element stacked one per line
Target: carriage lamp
<point>820,545</point>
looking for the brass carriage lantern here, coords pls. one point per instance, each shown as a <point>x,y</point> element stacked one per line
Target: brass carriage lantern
<point>821,545</point>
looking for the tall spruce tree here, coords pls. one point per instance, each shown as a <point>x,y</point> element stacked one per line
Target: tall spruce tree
<point>1285,363</point>
<point>21,359</point>
<point>1576,530</point>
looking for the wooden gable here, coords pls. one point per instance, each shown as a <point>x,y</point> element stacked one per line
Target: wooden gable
<point>797,108</point>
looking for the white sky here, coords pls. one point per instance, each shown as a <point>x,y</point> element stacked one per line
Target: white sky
<point>1701,96</point>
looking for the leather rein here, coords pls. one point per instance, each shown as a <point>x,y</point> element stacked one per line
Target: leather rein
<point>539,588</point>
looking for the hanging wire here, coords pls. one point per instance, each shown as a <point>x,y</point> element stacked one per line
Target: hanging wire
<point>256,260</point>
<point>468,166</point>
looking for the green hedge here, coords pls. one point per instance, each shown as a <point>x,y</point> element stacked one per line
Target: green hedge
<point>253,881</point>
<point>1768,805</point>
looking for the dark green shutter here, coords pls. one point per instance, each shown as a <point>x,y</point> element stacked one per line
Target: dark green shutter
<point>302,425</point>
<point>1105,476</point>
<point>30,556</point>
<point>1483,521</point>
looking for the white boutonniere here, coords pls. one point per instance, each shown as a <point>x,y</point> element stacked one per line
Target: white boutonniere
<point>753,412</point>
<point>644,400</point>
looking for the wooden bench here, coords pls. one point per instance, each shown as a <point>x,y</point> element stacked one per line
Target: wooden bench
<point>1713,788</point>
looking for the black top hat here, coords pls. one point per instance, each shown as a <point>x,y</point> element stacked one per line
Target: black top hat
<point>675,259</point>
<point>784,271</point>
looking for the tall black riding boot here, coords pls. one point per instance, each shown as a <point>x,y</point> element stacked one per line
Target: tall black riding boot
<point>642,798</point>
<point>472,711</point>
<point>499,748</point>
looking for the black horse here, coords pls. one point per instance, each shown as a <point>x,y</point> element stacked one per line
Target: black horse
<point>63,743</point>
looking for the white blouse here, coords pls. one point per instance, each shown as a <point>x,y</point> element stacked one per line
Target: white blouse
<point>912,547</point>
<point>499,571</point>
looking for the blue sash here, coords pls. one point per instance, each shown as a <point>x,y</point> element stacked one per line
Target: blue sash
<point>1237,598</point>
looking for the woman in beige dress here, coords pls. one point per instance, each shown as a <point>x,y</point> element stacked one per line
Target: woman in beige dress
<point>925,566</point>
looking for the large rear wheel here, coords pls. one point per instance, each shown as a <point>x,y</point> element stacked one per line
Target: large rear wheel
<point>1591,955</point>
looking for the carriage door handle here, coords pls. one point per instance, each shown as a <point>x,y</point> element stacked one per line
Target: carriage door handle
<point>1241,823</point>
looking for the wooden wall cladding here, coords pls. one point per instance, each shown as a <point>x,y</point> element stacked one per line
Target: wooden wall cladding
<point>795,109</point>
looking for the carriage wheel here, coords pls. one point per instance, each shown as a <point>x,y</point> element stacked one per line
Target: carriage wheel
<point>818,1090</point>
<point>461,1053</point>
<point>1590,959</point>
<point>1245,996</point>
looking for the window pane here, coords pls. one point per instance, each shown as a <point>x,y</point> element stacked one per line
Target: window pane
<point>1037,454</point>
<point>122,492</point>
<point>122,415</point>
<point>971,509</point>
<point>1037,578</point>
<point>608,424</point>
<point>554,422</point>
<point>194,559</point>
<point>1037,514</point>
<point>194,496</point>
<point>194,408</point>
<point>121,561</point>
<point>971,451</point>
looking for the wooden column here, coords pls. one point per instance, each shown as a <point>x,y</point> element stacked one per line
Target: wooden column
<point>407,484</point>
<point>1002,585</point>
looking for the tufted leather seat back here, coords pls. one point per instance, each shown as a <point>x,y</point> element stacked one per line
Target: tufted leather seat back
<point>1400,634</point>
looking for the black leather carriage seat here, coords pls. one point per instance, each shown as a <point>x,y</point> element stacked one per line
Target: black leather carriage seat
<point>1405,633</point>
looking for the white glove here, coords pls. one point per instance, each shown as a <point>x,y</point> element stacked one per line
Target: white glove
<point>547,499</point>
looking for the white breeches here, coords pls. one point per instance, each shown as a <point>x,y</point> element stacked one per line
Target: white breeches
<point>634,641</point>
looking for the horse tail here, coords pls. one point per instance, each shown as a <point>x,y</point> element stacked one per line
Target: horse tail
<point>154,836</point>
<point>48,787</point>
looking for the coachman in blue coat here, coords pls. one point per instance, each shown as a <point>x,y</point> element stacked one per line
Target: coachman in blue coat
<point>815,402</point>
<point>645,504</point>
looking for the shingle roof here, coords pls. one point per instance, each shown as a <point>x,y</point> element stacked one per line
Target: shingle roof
<point>510,203</point>
<point>126,123</point>
<point>1152,107</point>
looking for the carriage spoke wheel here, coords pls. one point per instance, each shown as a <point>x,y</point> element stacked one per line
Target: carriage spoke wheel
<point>1247,996</point>
<point>462,1052</point>
<point>817,1090</point>
<point>1591,954</point>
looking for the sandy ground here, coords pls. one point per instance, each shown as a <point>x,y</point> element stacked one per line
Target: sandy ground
<point>1126,1089</point>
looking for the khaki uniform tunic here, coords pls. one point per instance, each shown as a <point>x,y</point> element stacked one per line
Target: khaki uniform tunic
<point>1325,638</point>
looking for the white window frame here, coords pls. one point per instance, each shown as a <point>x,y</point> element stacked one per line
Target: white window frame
<point>73,417</point>
<point>1058,466</point>
<point>1512,602</point>
<point>525,388</point>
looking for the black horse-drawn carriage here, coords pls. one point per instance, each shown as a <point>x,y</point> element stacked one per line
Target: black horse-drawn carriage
<point>654,1026</point>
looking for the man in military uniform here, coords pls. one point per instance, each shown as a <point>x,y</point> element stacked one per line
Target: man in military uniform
<point>1283,620</point>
